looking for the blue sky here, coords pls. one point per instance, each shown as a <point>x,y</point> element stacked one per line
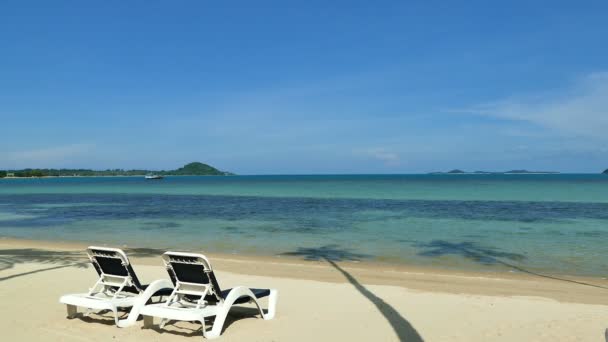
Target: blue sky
<point>258,87</point>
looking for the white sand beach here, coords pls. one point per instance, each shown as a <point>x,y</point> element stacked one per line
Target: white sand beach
<point>318,301</point>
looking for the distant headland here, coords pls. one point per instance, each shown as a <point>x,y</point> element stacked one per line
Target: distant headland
<point>191,169</point>
<point>457,171</point>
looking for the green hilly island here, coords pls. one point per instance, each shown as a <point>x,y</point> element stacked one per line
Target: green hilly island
<point>191,169</point>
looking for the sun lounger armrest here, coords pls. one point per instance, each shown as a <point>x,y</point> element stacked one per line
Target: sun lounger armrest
<point>241,291</point>
<point>237,293</point>
<point>142,299</point>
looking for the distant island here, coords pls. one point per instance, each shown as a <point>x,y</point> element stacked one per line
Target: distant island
<point>191,169</point>
<point>457,171</point>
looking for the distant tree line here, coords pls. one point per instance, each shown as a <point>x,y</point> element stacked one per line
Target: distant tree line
<point>192,169</point>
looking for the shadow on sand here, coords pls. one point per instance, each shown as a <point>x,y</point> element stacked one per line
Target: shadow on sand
<point>192,329</point>
<point>487,256</point>
<point>333,254</point>
<point>57,259</point>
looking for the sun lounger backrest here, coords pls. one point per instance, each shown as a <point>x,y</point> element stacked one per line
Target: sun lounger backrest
<point>114,262</point>
<point>192,268</point>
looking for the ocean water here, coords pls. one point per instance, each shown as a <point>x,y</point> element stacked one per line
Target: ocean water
<point>554,224</point>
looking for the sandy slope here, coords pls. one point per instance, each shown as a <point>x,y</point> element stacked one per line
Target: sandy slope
<point>343,306</point>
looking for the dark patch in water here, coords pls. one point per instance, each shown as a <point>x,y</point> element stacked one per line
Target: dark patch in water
<point>592,233</point>
<point>407,241</point>
<point>269,229</point>
<point>468,250</point>
<point>303,215</point>
<point>473,236</point>
<point>489,256</point>
<point>231,228</point>
<point>331,252</point>
<point>160,225</point>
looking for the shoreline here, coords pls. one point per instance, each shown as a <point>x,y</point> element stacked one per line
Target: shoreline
<point>563,288</point>
<point>497,271</point>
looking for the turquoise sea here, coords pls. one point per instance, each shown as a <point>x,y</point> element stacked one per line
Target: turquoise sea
<point>552,223</point>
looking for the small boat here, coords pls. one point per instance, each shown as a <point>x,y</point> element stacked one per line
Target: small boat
<point>154,177</point>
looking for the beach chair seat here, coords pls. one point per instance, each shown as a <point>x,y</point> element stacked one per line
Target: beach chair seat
<point>116,288</point>
<point>197,295</point>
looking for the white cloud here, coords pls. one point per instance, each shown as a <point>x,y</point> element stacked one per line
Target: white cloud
<point>55,156</point>
<point>382,154</point>
<point>580,112</point>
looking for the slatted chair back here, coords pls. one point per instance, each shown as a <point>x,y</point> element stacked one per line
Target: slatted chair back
<point>193,277</point>
<point>114,269</point>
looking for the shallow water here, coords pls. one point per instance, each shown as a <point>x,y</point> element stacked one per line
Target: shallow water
<point>538,223</point>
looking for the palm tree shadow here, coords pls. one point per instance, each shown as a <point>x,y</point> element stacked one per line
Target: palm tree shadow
<point>38,271</point>
<point>333,254</point>
<point>55,259</point>
<point>9,258</point>
<point>487,256</point>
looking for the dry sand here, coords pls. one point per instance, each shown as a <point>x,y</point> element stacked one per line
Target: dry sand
<point>318,301</point>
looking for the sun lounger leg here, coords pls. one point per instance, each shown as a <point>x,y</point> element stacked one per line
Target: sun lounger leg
<point>216,330</point>
<point>218,324</point>
<point>142,300</point>
<point>235,294</point>
<point>272,304</point>
<point>148,321</point>
<point>204,329</point>
<point>115,312</point>
<point>72,310</point>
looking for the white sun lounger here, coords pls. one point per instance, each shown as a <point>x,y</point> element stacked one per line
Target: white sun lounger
<point>117,287</point>
<point>197,295</point>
